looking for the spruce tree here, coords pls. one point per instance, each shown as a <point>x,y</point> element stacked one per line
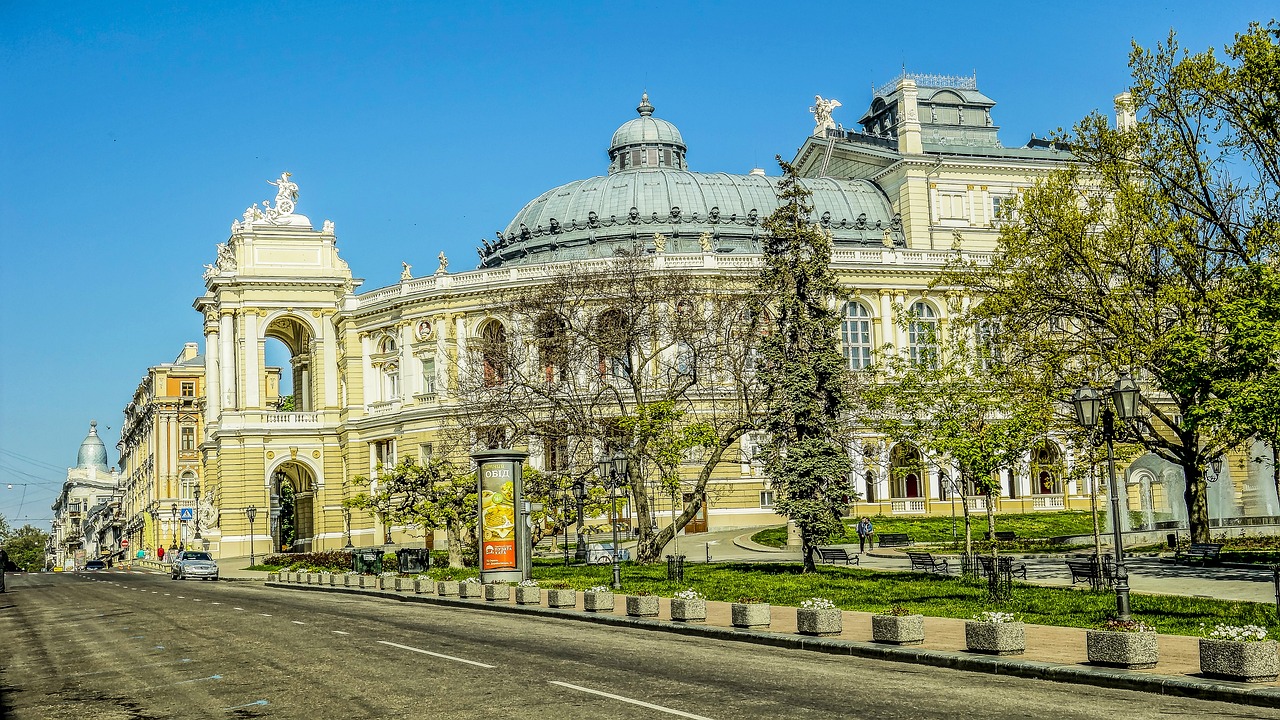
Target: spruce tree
<point>803,373</point>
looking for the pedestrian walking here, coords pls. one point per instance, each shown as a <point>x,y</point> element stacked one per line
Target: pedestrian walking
<point>160,554</point>
<point>864,533</point>
<point>4,565</point>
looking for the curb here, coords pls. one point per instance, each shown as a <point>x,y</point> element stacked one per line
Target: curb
<point>1080,674</point>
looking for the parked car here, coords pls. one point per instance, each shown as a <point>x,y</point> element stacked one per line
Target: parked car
<point>194,564</point>
<point>94,565</point>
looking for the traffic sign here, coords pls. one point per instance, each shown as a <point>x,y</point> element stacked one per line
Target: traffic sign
<point>187,514</point>
<point>124,543</point>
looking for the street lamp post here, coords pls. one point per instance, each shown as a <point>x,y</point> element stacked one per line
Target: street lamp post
<point>613,472</point>
<point>568,508</point>
<point>155,525</point>
<point>346,522</point>
<point>173,523</point>
<point>251,512</point>
<point>197,513</point>
<point>1089,410</point>
<point>580,494</point>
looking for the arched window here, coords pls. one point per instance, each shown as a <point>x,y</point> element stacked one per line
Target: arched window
<point>387,345</point>
<point>494,352</point>
<point>391,381</point>
<point>906,467</point>
<point>855,336</point>
<point>187,485</point>
<point>614,338</point>
<point>923,335</point>
<point>553,349</point>
<point>1046,469</point>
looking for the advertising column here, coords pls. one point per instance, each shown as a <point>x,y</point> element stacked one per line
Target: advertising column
<point>502,529</point>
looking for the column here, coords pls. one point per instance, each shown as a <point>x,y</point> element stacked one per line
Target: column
<point>213,401</point>
<point>251,353</point>
<point>329,360</point>
<point>227,359</point>
<point>887,330</point>
<point>410,371</point>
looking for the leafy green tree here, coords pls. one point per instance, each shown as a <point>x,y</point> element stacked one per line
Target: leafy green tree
<point>1128,260</point>
<point>806,397</point>
<point>26,547</point>
<point>433,494</point>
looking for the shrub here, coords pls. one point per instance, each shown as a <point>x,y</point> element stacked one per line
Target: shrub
<point>326,561</point>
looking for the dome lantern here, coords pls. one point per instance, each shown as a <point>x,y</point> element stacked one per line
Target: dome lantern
<point>646,143</point>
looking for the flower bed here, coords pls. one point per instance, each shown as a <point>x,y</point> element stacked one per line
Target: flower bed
<point>819,617</point>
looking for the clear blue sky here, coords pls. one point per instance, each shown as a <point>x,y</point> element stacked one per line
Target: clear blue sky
<point>131,135</point>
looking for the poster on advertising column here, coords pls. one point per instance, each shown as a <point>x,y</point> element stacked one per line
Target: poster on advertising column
<point>500,489</point>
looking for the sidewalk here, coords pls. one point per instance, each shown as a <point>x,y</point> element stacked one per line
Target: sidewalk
<point>1052,653</point>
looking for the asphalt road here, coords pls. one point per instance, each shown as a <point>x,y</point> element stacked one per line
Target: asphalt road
<point>120,645</point>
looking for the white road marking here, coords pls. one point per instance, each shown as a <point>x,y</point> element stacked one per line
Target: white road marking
<point>641,703</point>
<point>339,632</point>
<point>215,603</point>
<point>264,614</point>
<point>239,608</point>
<point>298,622</point>
<point>436,654</point>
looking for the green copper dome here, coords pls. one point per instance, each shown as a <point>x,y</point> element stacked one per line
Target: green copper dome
<point>649,191</point>
<point>93,454</point>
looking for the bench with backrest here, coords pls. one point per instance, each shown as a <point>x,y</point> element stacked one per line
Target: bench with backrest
<point>1085,569</point>
<point>835,555</point>
<point>894,539</point>
<point>988,564</point>
<point>928,563</point>
<point>1199,552</point>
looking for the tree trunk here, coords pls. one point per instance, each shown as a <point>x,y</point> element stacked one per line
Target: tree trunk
<point>1275,467</point>
<point>991,529</point>
<point>453,537</point>
<point>806,549</point>
<point>650,549</point>
<point>1197,503</point>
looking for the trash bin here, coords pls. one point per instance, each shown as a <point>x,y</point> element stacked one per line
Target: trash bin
<point>366,562</point>
<point>1172,539</point>
<point>410,561</point>
<point>675,568</point>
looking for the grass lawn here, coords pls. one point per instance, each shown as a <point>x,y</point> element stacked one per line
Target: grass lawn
<point>868,590</point>
<point>937,529</point>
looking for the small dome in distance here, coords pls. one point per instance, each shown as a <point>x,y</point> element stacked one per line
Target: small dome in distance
<point>93,454</point>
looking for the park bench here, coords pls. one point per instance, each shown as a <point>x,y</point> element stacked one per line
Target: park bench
<point>1006,564</point>
<point>1004,535</point>
<point>1085,569</point>
<point>894,539</point>
<point>928,563</point>
<point>834,555</point>
<point>1199,552</point>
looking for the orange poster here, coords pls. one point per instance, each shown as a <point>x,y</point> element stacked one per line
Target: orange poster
<point>497,518</point>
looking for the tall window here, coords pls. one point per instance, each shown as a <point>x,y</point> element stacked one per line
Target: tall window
<point>1046,469</point>
<point>187,486</point>
<point>613,331</point>
<point>429,376</point>
<point>855,336</point>
<point>553,350</point>
<point>493,352</point>
<point>187,438</point>
<point>684,363</point>
<point>390,381</point>
<point>382,453</point>
<point>923,335</point>
<point>989,343</point>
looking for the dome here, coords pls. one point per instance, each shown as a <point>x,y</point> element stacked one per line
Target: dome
<point>646,143</point>
<point>93,454</point>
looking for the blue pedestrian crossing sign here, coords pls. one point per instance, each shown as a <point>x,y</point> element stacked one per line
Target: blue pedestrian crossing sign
<point>187,514</point>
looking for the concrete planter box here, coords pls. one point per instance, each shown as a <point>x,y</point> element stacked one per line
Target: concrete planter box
<point>526,595</point>
<point>995,638</point>
<point>597,601</point>
<point>470,590</point>
<point>273,577</point>
<point>688,610</point>
<point>1132,651</point>
<point>386,582</point>
<point>821,622</point>
<point>350,581</point>
<point>447,588</point>
<point>897,629</point>
<point>1239,661</point>
<point>562,598</point>
<point>368,582</point>
<point>642,605</point>
<point>750,615</point>
<point>286,577</point>
<point>313,578</point>
<point>326,578</point>
<point>497,592</point>
<point>424,586</point>
<point>403,584</point>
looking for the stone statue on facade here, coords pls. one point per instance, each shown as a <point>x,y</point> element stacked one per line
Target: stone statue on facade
<point>407,272</point>
<point>444,264</point>
<point>705,240</point>
<point>822,115</point>
<point>226,258</point>
<point>328,227</point>
<point>659,243</point>
<point>286,194</point>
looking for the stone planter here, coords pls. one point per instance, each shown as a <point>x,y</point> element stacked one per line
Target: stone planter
<point>424,586</point>
<point>1239,661</point>
<point>324,579</point>
<point>350,581</point>
<point>897,629</point>
<point>447,588</point>
<point>386,582</point>
<point>1008,638</point>
<point>470,590</point>
<point>286,577</point>
<point>273,577</point>
<point>750,615</point>
<point>821,622</point>
<point>1129,650</point>
<point>403,584</point>
<point>368,582</point>
<point>313,578</point>
<point>558,598</point>
<point>333,579</point>
<point>497,592</point>
<point>528,595</point>
<point>597,601</point>
<point>683,610</point>
<point>642,605</point>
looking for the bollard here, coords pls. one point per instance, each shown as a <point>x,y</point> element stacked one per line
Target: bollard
<point>1275,580</point>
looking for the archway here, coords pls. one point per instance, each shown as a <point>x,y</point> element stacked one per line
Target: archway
<point>1046,469</point>
<point>295,342</point>
<point>906,470</point>
<point>292,508</point>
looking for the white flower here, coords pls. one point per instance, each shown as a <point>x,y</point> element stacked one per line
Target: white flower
<point>994,617</point>
<point>689,594</point>
<point>1237,633</point>
<point>817,603</point>
<point>599,589</point>
<point>473,580</point>
<point>528,583</point>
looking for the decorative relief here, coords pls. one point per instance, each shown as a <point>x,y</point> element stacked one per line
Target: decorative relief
<point>271,455</point>
<point>315,454</point>
<point>423,329</point>
<point>293,453</point>
<point>286,201</point>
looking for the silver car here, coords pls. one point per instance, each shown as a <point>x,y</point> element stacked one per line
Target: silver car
<point>195,564</point>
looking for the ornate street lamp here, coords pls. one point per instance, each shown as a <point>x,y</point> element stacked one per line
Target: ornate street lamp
<point>155,524</point>
<point>197,512</point>
<point>173,523</point>
<point>346,521</point>
<point>580,494</point>
<point>251,512</point>
<point>1089,410</point>
<point>613,473</point>
<point>1217,468</point>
